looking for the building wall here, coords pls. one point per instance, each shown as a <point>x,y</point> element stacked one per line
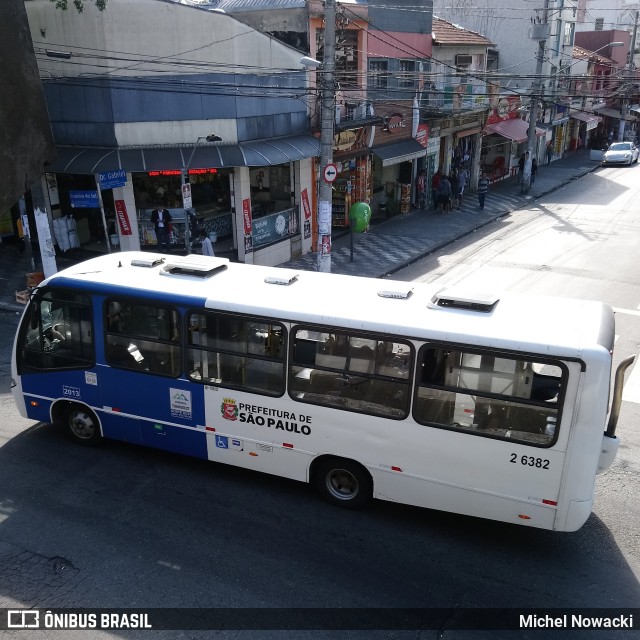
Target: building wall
<point>173,71</point>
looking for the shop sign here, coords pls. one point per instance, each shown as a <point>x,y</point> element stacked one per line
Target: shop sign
<point>123,217</point>
<point>112,179</point>
<point>84,199</point>
<point>272,228</point>
<point>505,108</point>
<point>433,146</point>
<point>422,135</point>
<point>166,173</point>
<point>246,214</point>
<point>393,121</point>
<point>350,140</point>
<point>305,204</point>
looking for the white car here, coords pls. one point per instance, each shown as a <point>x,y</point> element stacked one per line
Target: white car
<point>621,153</point>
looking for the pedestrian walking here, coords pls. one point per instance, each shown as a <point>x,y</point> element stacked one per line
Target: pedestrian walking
<point>521,163</point>
<point>549,151</point>
<point>444,194</point>
<point>207,246</point>
<point>435,188</point>
<point>463,176</point>
<point>534,170</point>
<point>421,190</point>
<point>483,187</point>
<point>454,179</point>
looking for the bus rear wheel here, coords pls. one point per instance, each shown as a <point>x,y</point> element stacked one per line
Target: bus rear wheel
<point>82,425</point>
<point>344,483</point>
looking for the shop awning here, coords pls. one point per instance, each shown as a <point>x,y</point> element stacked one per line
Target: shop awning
<point>514,129</point>
<point>589,119</point>
<point>91,160</point>
<point>585,117</point>
<point>614,113</point>
<point>399,152</point>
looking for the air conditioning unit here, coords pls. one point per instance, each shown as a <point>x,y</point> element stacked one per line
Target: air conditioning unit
<point>463,61</point>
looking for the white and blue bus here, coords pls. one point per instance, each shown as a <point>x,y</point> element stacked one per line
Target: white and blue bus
<point>490,406</point>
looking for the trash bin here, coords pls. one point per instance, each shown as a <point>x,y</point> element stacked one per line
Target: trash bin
<point>382,209</point>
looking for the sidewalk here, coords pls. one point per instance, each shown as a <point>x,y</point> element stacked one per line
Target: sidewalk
<point>395,243</point>
<point>386,248</point>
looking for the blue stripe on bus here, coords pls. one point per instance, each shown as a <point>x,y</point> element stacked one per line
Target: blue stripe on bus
<point>114,290</point>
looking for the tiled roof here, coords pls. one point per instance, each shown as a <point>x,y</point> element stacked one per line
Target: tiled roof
<point>584,54</point>
<point>448,33</point>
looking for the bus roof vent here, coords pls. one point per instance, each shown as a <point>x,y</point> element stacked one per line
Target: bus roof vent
<point>458,299</point>
<point>285,280</point>
<point>194,265</point>
<point>399,294</point>
<point>147,262</point>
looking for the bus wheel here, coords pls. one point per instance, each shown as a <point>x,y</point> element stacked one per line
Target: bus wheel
<point>82,425</point>
<point>344,483</point>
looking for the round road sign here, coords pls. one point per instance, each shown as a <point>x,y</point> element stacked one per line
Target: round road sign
<point>330,172</point>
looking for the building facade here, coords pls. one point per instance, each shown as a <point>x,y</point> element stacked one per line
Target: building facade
<point>203,115</point>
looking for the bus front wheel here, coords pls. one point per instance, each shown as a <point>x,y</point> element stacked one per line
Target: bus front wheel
<point>82,425</point>
<point>344,483</point>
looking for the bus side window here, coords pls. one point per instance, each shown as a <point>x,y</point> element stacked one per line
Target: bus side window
<point>486,392</point>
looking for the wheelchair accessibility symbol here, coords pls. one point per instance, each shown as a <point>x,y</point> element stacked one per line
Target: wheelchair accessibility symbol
<point>222,442</point>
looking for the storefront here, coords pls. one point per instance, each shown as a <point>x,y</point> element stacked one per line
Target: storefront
<point>353,164</point>
<point>251,193</point>
<point>582,127</point>
<point>211,203</point>
<point>503,144</point>
<point>394,159</point>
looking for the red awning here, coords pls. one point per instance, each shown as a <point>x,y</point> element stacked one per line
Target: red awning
<point>514,129</point>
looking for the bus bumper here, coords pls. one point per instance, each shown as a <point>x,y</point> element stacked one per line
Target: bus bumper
<point>608,452</point>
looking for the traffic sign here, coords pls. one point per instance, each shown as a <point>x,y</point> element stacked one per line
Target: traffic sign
<point>330,172</point>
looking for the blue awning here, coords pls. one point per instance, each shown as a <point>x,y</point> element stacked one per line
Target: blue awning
<point>92,160</point>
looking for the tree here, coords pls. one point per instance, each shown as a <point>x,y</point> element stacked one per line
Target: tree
<point>79,4</point>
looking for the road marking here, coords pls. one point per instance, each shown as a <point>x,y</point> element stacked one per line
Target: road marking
<point>629,312</point>
<point>631,392</point>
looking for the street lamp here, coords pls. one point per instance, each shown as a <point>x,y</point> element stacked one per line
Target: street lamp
<point>185,187</point>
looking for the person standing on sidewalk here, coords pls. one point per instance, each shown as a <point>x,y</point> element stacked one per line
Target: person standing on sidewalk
<point>483,187</point>
<point>435,188</point>
<point>421,188</point>
<point>549,151</point>
<point>534,170</point>
<point>444,194</point>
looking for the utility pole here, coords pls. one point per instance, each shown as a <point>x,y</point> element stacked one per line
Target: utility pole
<point>536,90</point>
<point>327,122</point>
<point>628,77</point>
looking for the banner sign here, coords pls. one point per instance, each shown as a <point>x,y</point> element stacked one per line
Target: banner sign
<point>305,204</point>
<point>246,214</point>
<point>123,217</point>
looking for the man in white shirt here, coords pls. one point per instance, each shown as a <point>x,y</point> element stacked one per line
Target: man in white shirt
<point>207,247</point>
